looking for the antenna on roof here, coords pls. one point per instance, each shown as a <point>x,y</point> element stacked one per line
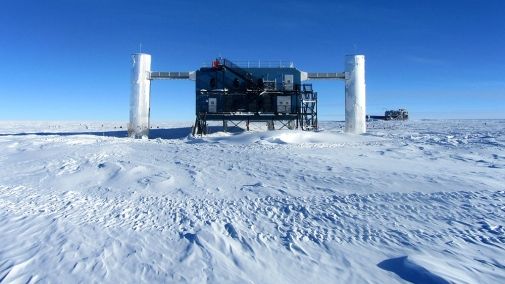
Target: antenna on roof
<point>140,47</point>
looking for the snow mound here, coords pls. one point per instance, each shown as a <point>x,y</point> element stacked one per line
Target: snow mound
<point>288,137</point>
<point>410,271</point>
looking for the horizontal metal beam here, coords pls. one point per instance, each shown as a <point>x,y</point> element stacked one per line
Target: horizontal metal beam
<point>156,75</point>
<point>325,76</point>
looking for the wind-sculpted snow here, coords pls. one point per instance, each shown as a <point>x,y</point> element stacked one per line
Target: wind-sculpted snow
<point>397,218</point>
<point>417,201</point>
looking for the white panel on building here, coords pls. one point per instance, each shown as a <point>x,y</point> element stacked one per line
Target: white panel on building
<point>284,104</point>
<point>288,82</point>
<point>212,104</point>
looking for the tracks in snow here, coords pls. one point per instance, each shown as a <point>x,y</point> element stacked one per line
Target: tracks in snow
<point>403,219</point>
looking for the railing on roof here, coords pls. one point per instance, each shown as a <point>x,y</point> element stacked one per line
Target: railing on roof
<point>259,63</point>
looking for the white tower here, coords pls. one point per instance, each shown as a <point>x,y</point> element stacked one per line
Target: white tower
<point>355,94</point>
<point>140,96</point>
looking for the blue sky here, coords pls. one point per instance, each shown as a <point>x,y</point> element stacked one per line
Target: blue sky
<point>70,60</point>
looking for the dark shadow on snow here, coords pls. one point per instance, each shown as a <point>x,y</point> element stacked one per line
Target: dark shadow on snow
<point>168,133</point>
<point>409,271</point>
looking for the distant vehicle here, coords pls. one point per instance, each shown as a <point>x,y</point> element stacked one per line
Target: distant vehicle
<point>401,114</point>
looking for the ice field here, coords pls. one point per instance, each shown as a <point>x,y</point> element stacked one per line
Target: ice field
<point>420,201</point>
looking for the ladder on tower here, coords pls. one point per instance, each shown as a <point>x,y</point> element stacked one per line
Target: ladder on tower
<point>308,108</point>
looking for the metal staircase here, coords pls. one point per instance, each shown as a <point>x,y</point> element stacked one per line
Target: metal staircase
<point>308,108</point>
<point>252,83</point>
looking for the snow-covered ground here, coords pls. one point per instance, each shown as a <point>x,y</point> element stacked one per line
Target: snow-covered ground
<point>409,201</point>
